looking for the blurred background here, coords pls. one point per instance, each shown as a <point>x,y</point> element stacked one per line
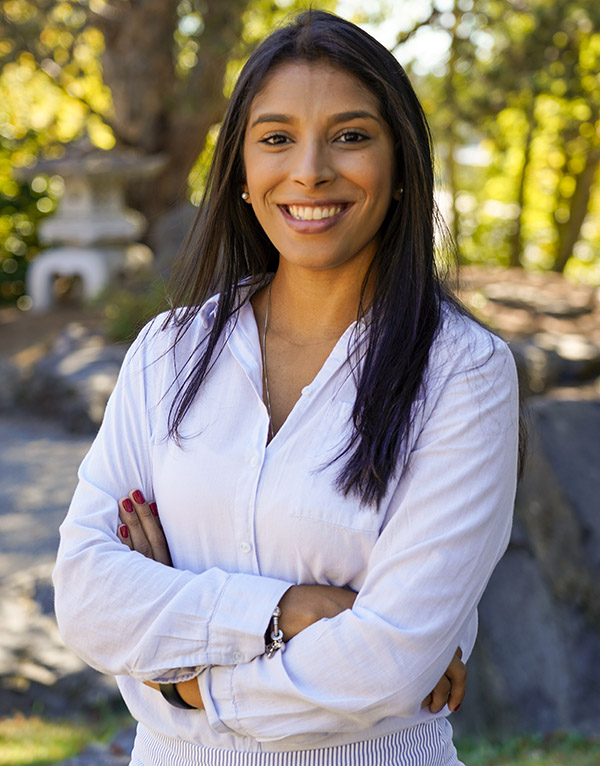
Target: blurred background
<point>109,111</point>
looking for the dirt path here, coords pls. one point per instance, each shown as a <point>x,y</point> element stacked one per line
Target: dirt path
<point>38,473</point>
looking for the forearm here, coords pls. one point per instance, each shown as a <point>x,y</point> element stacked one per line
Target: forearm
<point>115,621</point>
<point>427,572</point>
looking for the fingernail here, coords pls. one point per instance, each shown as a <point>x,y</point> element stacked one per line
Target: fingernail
<point>123,531</point>
<point>128,505</point>
<point>154,509</point>
<point>457,707</point>
<point>138,497</point>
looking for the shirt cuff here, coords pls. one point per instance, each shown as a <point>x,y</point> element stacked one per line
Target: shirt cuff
<point>237,626</point>
<point>216,690</point>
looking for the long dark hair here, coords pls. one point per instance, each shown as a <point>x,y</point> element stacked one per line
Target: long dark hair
<point>228,245</point>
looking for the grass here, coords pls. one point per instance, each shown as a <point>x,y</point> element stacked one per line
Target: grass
<point>564,749</point>
<point>35,741</point>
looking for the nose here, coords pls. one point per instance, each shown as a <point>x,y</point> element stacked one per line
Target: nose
<point>312,164</point>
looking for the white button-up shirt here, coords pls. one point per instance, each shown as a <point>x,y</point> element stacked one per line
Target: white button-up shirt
<point>244,521</point>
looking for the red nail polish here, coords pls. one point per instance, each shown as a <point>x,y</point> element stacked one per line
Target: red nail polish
<point>154,509</point>
<point>138,497</point>
<point>123,531</point>
<point>128,505</point>
<point>457,707</point>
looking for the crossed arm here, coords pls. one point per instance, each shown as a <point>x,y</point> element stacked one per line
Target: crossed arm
<point>301,605</point>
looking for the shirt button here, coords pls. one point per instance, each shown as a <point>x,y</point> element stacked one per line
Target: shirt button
<point>306,391</point>
<point>237,656</point>
<point>253,461</point>
<point>245,547</point>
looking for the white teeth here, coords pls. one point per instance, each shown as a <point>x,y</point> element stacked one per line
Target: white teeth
<point>301,213</point>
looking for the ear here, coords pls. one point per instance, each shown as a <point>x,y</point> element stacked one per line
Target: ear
<point>398,192</point>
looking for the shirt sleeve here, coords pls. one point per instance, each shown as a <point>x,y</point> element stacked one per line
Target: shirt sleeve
<point>125,614</point>
<point>450,523</point>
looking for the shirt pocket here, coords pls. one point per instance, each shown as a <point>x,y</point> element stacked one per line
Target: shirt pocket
<point>320,500</point>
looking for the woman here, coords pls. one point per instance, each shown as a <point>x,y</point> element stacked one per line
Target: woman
<point>331,443</point>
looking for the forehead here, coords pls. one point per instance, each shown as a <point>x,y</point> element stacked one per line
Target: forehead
<point>292,84</point>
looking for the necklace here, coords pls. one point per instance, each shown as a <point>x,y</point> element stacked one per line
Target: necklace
<point>264,361</point>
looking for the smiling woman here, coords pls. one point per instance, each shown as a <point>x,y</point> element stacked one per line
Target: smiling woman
<point>329,439</point>
<point>319,173</point>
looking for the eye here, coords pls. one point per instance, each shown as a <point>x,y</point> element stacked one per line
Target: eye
<point>352,137</point>
<point>275,139</point>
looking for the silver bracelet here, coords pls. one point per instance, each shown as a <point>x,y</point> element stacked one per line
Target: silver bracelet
<point>276,634</point>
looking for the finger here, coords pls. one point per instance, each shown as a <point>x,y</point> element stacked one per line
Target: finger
<point>137,536</point>
<point>123,535</point>
<point>440,695</point>
<point>147,513</point>
<point>427,701</point>
<point>154,508</point>
<point>457,672</point>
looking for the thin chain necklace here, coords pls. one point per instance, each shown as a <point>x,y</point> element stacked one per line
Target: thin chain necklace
<point>264,362</point>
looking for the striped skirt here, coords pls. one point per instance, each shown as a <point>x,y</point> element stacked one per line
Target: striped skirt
<point>427,744</point>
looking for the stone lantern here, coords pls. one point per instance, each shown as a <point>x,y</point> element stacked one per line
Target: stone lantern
<point>93,234</point>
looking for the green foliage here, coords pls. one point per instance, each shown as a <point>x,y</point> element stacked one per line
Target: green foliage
<point>522,81</point>
<point>127,308</point>
<point>51,92</point>
<point>35,741</point>
<point>562,749</point>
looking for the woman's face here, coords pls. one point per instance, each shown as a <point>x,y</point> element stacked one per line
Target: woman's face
<point>319,165</point>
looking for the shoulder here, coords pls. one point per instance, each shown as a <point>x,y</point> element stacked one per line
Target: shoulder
<point>466,352</point>
<point>186,326</point>
<point>462,343</point>
<point>170,341</point>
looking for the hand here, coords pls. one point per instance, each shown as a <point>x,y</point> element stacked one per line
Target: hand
<point>451,687</point>
<point>303,605</point>
<point>141,529</point>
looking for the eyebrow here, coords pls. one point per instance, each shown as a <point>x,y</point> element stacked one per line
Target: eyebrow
<point>335,119</point>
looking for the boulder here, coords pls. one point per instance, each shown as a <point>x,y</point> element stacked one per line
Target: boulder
<point>536,665</point>
<point>37,671</point>
<point>73,382</point>
<point>550,359</point>
<point>10,383</point>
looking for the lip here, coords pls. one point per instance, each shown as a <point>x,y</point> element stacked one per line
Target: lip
<point>314,227</point>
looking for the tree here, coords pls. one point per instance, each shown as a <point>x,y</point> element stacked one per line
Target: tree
<point>148,74</point>
<point>521,80</point>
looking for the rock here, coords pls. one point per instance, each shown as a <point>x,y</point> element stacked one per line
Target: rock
<point>168,234</point>
<point>10,384</point>
<point>542,300</point>
<point>558,499</point>
<point>539,369</point>
<point>37,671</point>
<point>551,359</point>
<point>579,356</point>
<point>115,754</point>
<point>536,665</point>
<point>73,382</point>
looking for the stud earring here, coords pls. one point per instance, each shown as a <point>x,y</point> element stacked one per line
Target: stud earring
<point>398,193</point>
<point>245,196</point>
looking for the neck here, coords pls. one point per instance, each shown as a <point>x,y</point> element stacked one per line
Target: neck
<point>313,307</point>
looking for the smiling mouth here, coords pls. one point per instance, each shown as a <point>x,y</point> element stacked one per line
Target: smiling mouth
<point>313,212</point>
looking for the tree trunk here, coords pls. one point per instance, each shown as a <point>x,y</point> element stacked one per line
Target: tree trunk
<point>451,140</point>
<point>154,109</point>
<point>138,68</point>
<point>568,232</point>
<point>516,242</point>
